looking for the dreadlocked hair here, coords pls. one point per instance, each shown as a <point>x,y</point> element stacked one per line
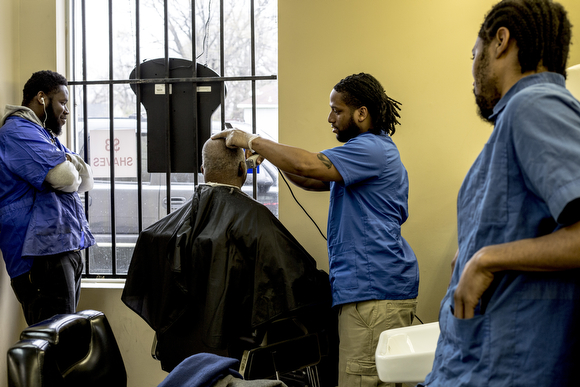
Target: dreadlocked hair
<point>364,90</point>
<point>540,28</point>
<point>46,81</point>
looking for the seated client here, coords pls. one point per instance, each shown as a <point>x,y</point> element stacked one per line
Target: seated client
<point>211,274</point>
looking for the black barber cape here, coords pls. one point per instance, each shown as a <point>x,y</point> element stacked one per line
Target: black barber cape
<point>215,270</point>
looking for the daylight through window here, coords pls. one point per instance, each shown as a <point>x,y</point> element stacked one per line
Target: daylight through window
<point>150,81</point>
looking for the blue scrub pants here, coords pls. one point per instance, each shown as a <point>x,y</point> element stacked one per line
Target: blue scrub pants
<point>52,286</point>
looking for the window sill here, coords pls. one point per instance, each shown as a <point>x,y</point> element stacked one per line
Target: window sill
<point>102,283</point>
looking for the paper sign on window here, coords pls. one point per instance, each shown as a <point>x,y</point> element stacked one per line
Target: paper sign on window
<point>124,153</point>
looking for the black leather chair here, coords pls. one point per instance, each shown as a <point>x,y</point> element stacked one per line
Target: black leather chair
<point>67,350</point>
<point>287,346</point>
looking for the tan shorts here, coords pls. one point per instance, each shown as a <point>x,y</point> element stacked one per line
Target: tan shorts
<point>359,326</point>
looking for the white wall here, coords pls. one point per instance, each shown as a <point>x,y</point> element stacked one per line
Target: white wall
<point>133,335</point>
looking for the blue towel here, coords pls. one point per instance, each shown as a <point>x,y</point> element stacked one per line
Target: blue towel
<point>201,370</point>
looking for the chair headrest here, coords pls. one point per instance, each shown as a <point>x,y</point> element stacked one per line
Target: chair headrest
<point>69,349</point>
<point>70,336</point>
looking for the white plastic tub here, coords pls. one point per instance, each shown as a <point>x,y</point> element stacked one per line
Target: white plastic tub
<point>405,355</point>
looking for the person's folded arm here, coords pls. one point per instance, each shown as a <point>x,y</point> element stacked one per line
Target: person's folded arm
<point>64,177</point>
<point>559,250</point>
<point>85,172</point>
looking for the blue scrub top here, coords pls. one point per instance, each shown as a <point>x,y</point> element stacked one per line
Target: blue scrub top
<point>369,259</point>
<point>525,329</point>
<point>35,220</point>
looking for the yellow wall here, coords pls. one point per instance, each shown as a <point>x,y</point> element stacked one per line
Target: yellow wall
<point>8,44</point>
<point>11,319</point>
<point>420,50</point>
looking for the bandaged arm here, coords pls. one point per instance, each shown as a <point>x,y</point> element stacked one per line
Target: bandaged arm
<point>71,175</point>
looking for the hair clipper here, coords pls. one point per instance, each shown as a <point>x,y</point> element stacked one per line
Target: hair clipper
<point>251,161</point>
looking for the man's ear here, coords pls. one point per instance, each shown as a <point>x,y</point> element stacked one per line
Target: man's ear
<point>41,98</point>
<point>242,168</point>
<point>361,114</point>
<point>501,41</point>
<point>201,169</point>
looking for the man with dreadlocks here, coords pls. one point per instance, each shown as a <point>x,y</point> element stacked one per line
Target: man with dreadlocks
<point>512,310</point>
<point>373,271</point>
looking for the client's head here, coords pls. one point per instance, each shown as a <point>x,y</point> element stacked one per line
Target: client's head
<point>223,165</point>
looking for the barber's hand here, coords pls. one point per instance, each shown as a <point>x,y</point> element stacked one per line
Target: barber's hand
<point>474,281</point>
<point>75,160</point>
<point>235,138</point>
<point>248,154</point>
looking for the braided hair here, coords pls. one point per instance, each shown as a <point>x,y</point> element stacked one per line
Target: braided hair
<point>364,90</point>
<point>46,81</point>
<point>540,28</point>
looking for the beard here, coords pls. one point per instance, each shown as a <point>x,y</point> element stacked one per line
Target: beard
<point>485,106</point>
<point>52,123</point>
<point>350,132</point>
<point>489,94</point>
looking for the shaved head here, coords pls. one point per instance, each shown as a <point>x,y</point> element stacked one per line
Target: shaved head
<point>221,164</point>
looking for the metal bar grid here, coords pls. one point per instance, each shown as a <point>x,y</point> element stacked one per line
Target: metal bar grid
<point>175,80</point>
<point>138,112</point>
<point>111,82</point>
<point>85,117</point>
<point>112,148</point>
<point>253,63</point>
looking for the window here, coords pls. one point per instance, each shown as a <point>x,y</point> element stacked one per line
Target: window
<point>135,80</point>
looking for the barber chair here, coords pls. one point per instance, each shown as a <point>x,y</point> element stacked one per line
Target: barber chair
<point>298,350</point>
<point>287,347</point>
<point>67,350</point>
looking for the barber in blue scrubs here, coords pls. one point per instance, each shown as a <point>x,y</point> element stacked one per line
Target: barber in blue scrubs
<point>42,222</point>
<point>511,315</point>
<point>374,273</point>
